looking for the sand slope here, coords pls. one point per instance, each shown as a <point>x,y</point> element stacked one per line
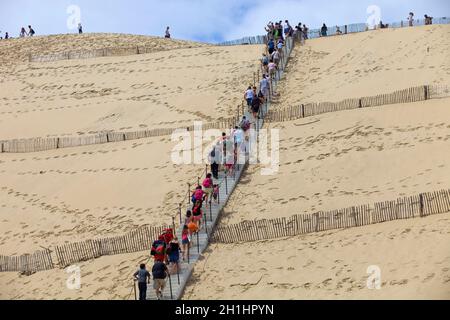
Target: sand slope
<point>367,64</point>
<point>341,159</point>
<point>413,256</point>
<point>17,50</point>
<point>347,158</point>
<point>156,90</point>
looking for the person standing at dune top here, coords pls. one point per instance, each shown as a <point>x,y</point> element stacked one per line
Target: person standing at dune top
<point>31,31</point>
<point>80,28</point>
<point>23,33</point>
<point>324,30</point>
<point>410,19</point>
<point>167,35</point>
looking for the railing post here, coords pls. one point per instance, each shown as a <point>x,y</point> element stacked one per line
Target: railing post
<point>189,194</point>
<point>173,225</point>
<point>134,289</point>
<point>210,208</point>
<point>226,182</point>
<point>427,92</point>
<point>170,285</point>
<point>179,212</point>
<point>188,250</point>
<point>198,242</point>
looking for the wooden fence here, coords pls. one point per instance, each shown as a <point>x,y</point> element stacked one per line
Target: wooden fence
<point>137,240</point>
<point>420,205</point>
<point>27,263</point>
<point>291,113</point>
<point>408,95</point>
<point>42,144</point>
<point>332,30</point>
<point>95,53</point>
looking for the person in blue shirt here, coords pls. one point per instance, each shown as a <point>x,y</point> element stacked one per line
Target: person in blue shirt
<point>271,46</point>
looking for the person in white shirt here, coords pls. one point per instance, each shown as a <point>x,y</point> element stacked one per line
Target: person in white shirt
<point>248,96</point>
<point>264,86</point>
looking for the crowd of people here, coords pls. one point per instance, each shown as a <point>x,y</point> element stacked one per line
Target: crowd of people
<point>167,250</point>
<point>23,33</point>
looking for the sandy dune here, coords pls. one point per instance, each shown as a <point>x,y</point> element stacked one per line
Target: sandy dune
<point>68,195</point>
<point>349,158</point>
<point>341,159</point>
<point>156,90</point>
<point>17,50</point>
<point>108,278</point>
<point>413,256</point>
<point>327,162</point>
<point>81,193</point>
<point>367,64</point>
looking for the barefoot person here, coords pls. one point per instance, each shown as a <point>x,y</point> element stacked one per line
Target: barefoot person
<point>159,273</point>
<point>142,276</point>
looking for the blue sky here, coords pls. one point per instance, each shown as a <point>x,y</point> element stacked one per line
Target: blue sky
<point>202,20</point>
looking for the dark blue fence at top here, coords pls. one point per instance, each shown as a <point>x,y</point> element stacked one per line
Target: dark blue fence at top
<point>351,28</point>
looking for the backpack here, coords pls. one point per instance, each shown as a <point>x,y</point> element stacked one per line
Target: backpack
<point>167,236</point>
<point>158,248</point>
<point>245,125</point>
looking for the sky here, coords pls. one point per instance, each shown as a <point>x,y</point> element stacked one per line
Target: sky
<point>199,20</point>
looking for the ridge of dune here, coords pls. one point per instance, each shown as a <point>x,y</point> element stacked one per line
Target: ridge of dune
<point>366,64</point>
<point>17,50</point>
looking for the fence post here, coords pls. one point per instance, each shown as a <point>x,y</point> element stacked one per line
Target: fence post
<point>179,212</point>
<point>134,289</point>
<point>426,90</point>
<point>345,29</point>
<point>360,104</point>
<point>421,204</point>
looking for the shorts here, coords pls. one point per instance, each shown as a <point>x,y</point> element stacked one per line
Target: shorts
<point>159,284</point>
<point>208,191</point>
<point>198,218</point>
<point>255,109</point>
<point>271,50</point>
<point>265,63</point>
<point>185,241</point>
<point>249,101</point>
